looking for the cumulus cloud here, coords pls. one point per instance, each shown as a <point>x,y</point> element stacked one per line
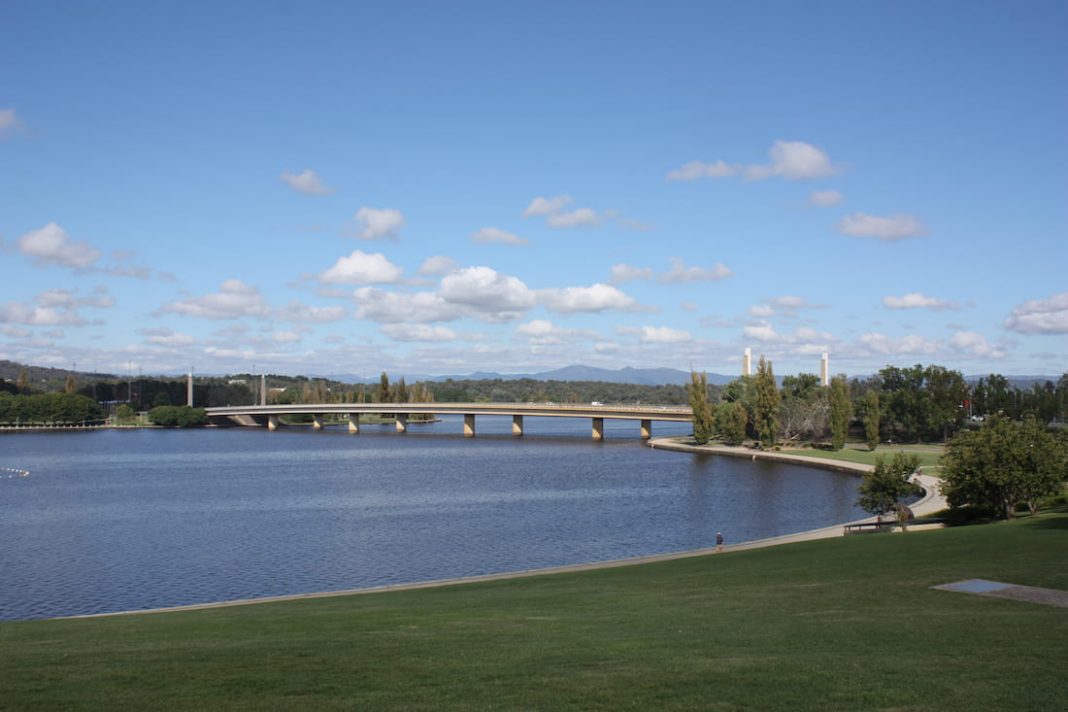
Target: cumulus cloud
<point>762,331</point>
<point>536,329</point>
<point>793,160</point>
<point>234,300</point>
<point>974,344</point>
<point>394,307</point>
<point>573,218</point>
<point>9,123</point>
<point>912,344</point>
<point>307,182</point>
<point>418,332</point>
<point>303,313</point>
<point>595,298</point>
<point>498,296</point>
<point>699,169</point>
<point>55,307</point>
<point>825,198</point>
<point>663,335</point>
<point>786,305</point>
<point>626,273</point>
<point>680,273</point>
<point>495,235</point>
<point>51,245</point>
<point>438,264</point>
<point>917,300</point>
<point>166,337</point>
<point>1041,316</point>
<point>378,223</point>
<point>887,229</point>
<point>285,337</point>
<point>362,268</point>
<point>546,206</point>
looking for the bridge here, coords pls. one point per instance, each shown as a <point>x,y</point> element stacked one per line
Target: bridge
<point>269,415</point>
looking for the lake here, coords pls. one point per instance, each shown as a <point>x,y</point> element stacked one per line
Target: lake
<point>116,520</point>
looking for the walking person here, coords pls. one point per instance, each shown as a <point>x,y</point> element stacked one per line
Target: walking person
<point>719,542</point>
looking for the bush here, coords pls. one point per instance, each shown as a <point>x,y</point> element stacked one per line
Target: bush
<point>180,416</point>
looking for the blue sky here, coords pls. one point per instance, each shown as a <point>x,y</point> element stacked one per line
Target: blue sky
<point>452,187</point>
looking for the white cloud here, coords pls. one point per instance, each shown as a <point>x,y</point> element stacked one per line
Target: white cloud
<point>917,300</point>
<point>574,218</point>
<point>362,268</point>
<point>234,300</point>
<point>438,264</point>
<point>166,337</point>
<point>887,229</point>
<point>663,335</point>
<point>496,296</point>
<point>55,307</point>
<point>626,273</point>
<point>1041,316</point>
<point>761,311</point>
<point>536,329</point>
<point>302,313</point>
<point>418,332</point>
<point>52,245</point>
<point>9,123</point>
<point>886,345</point>
<point>975,344</point>
<point>285,337</point>
<point>825,198</point>
<point>680,273</point>
<point>793,160</point>
<point>495,235</point>
<point>307,182</point>
<point>699,169</point>
<point>595,298</point>
<point>546,206</point>
<point>761,332</point>
<point>376,223</point>
<point>393,307</point>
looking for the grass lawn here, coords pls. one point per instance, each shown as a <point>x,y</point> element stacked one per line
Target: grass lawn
<point>929,454</point>
<point>846,623</point>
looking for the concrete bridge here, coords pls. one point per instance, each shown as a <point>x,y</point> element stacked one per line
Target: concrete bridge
<point>260,415</point>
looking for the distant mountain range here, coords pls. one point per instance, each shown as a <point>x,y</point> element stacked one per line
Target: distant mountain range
<point>9,370</point>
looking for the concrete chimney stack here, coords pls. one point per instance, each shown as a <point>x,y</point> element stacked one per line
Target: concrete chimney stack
<point>825,370</point>
<point>189,390</point>
<point>747,363</point>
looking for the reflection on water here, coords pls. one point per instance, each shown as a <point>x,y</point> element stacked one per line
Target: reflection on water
<point>117,520</point>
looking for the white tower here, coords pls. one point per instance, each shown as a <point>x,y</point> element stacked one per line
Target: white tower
<point>189,390</point>
<point>747,363</point>
<point>825,370</point>
<point>263,389</point>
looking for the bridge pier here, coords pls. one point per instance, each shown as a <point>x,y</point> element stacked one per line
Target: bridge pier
<point>647,429</point>
<point>272,422</point>
<point>402,422</point>
<point>354,423</point>
<point>517,425</point>
<point>598,428</point>
<point>317,422</point>
<point>469,425</point>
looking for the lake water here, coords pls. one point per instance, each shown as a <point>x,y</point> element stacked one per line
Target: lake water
<point>120,520</point>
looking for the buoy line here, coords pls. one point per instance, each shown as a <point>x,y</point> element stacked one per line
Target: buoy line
<point>13,472</point>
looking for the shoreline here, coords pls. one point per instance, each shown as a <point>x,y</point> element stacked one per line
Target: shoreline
<point>931,501</point>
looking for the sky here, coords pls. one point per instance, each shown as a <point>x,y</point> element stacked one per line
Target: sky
<point>443,188</point>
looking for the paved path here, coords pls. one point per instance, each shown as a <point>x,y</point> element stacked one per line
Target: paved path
<point>932,501</point>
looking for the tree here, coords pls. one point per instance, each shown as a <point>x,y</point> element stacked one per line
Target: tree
<point>702,411</point>
<point>841,412</point>
<point>382,395</point>
<point>730,422</point>
<point>23,381</point>
<point>400,392</point>
<point>804,413</point>
<point>1002,464</point>
<point>766,404</point>
<point>124,413</point>
<point>882,489</point>
<point>871,418</point>
<point>71,386</point>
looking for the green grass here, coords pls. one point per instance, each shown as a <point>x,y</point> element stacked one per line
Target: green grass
<point>849,623</point>
<point>929,455</point>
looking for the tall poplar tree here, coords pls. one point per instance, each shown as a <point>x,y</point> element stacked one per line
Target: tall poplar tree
<point>841,412</point>
<point>766,404</point>
<point>382,396</point>
<point>702,411</point>
<point>871,418</point>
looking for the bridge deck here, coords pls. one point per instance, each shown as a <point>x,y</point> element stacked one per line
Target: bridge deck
<point>618,412</point>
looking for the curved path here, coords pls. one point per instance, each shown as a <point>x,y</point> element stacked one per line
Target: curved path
<point>932,501</point>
